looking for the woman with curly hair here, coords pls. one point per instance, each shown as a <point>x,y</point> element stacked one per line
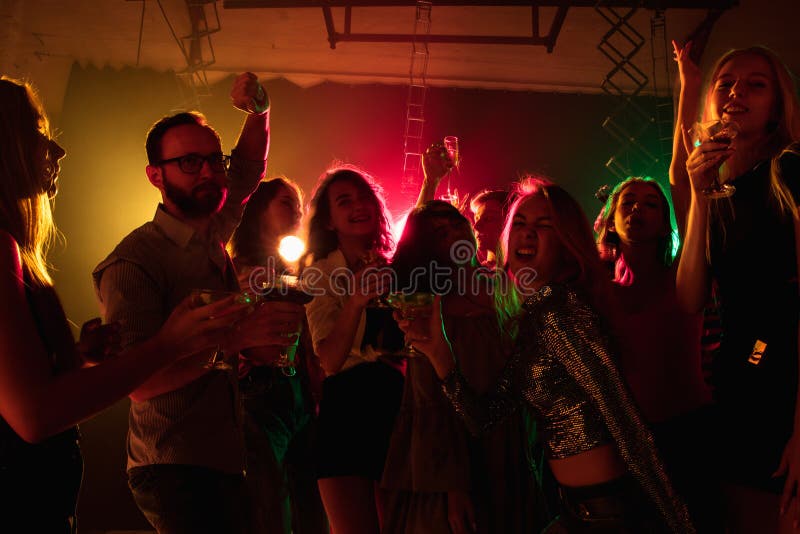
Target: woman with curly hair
<point>348,237</point>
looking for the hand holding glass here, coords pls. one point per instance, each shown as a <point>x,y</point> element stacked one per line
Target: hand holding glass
<point>411,306</point>
<point>203,297</point>
<point>286,288</point>
<point>716,131</point>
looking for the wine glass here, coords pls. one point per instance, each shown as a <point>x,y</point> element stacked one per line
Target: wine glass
<point>411,306</point>
<point>203,297</point>
<point>286,288</point>
<point>286,360</point>
<point>377,261</point>
<point>716,131</point>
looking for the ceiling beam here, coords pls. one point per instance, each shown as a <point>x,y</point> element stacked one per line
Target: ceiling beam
<point>646,4</point>
<point>700,36</point>
<point>548,41</point>
<point>536,39</point>
<point>432,38</point>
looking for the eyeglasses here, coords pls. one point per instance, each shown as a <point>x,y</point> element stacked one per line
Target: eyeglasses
<point>192,163</point>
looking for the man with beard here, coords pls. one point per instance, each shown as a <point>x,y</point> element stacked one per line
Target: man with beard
<point>185,445</point>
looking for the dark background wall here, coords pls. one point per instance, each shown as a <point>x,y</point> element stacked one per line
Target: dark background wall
<point>104,192</point>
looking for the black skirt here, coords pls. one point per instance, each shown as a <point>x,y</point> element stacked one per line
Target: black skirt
<point>356,417</point>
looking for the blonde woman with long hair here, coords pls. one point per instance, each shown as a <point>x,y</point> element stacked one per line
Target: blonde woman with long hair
<point>46,386</point>
<point>747,244</point>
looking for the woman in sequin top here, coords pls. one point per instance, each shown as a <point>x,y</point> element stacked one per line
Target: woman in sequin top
<point>597,445</point>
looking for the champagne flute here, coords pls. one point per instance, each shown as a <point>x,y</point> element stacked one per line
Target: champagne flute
<point>203,297</point>
<point>454,155</point>
<point>411,306</point>
<point>716,131</point>
<point>451,145</point>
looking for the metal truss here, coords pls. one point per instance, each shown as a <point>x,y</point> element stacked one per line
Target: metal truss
<point>197,49</point>
<point>628,123</point>
<point>664,114</point>
<point>636,118</point>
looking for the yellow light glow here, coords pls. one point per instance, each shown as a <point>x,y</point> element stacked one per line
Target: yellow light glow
<point>291,248</point>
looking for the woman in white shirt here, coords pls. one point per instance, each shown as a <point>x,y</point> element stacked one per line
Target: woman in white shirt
<point>349,237</point>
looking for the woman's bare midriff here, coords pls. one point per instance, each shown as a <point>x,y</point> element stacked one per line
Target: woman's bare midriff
<point>594,466</point>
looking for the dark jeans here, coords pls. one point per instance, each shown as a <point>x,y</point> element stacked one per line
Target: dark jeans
<point>186,499</point>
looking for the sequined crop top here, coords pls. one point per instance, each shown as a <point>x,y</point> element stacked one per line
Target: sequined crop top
<point>563,371</point>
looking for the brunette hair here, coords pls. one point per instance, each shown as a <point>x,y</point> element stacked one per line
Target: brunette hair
<point>322,240</point>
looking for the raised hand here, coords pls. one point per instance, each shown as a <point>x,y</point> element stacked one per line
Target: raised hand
<point>687,68</point>
<point>248,95</point>
<point>436,163</point>
<point>691,79</point>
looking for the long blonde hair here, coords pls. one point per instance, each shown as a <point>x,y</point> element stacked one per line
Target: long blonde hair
<point>783,131</point>
<point>25,210</point>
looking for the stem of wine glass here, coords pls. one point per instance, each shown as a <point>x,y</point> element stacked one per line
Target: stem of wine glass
<point>217,360</point>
